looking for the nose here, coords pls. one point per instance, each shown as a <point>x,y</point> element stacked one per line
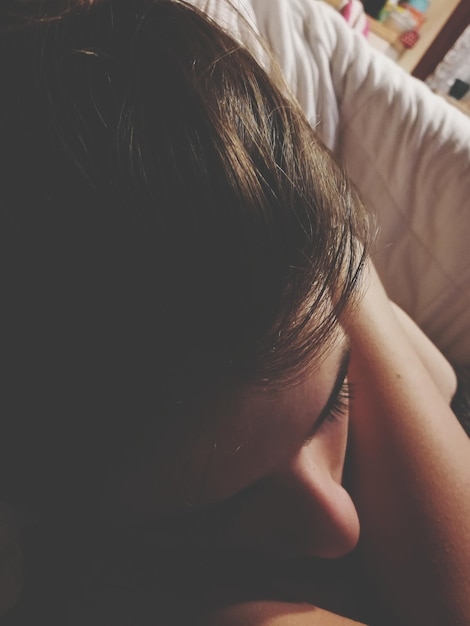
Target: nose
<point>302,511</point>
<point>324,518</point>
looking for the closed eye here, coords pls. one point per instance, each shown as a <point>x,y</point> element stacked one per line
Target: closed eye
<point>337,404</point>
<point>340,407</point>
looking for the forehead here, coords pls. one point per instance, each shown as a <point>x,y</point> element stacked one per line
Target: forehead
<point>249,435</point>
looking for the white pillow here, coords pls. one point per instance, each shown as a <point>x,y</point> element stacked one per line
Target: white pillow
<point>406,149</point>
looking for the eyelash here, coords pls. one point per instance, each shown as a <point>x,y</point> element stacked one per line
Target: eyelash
<point>337,412</point>
<point>341,404</point>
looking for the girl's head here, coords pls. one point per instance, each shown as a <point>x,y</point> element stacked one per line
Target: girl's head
<point>180,248</point>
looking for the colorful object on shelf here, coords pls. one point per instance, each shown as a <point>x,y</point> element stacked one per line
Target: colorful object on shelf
<point>400,20</point>
<point>409,38</point>
<point>418,16</point>
<point>401,17</point>
<point>353,13</point>
<point>389,6</point>
<point>419,5</point>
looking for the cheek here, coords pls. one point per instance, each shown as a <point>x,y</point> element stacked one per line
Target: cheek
<point>337,452</point>
<point>329,447</point>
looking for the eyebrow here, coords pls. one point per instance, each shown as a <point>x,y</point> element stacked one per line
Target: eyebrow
<point>335,391</point>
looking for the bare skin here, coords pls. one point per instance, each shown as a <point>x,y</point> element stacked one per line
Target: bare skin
<point>266,613</point>
<point>399,420</point>
<point>416,536</point>
<point>415,533</point>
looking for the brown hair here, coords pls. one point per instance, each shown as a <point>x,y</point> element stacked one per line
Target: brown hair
<point>170,219</point>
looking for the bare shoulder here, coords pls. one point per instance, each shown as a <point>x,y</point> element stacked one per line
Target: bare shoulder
<point>270,613</point>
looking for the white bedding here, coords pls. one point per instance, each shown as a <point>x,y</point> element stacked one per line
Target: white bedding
<point>407,151</point>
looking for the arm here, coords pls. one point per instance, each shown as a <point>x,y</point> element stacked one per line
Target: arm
<point>271,613</point>
<point>431,358</point>
<point>410,470</point>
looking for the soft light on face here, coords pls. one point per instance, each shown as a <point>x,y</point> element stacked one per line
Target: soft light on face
<point>267,474</point>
